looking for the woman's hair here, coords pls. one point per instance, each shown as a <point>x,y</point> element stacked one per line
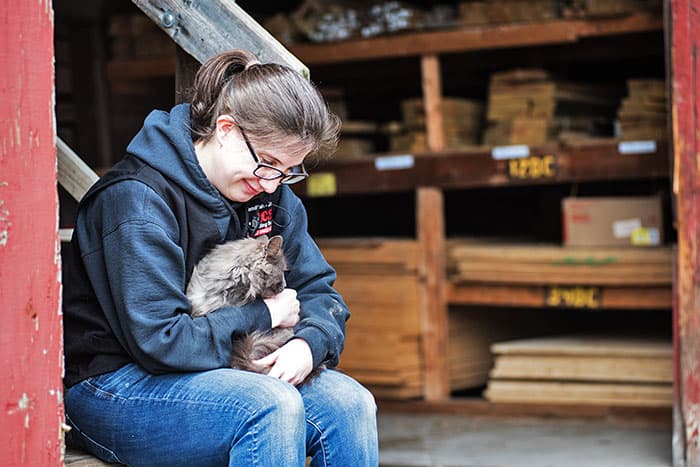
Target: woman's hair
<point>266,100</point>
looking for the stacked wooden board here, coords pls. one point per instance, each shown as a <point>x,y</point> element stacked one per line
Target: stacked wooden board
<point>528,106</point>
<point>586,369</point>
<point>461,123</point>
<point>471,334</point>
<point>378,280</point>
<point>642,115</point>
<point>475,261</point>
<point>473,13</point>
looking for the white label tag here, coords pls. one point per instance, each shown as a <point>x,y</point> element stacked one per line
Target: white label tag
<point>637,147</point>
<point>515,151</point>
<point>624,228</point>
<point>394,162</point>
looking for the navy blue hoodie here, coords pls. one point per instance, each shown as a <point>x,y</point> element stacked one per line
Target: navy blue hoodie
<point>127,242</point>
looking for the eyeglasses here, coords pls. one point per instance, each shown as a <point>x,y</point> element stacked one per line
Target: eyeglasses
<point>268,172</point>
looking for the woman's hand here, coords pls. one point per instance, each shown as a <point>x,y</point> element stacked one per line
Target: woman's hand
<point>284,309</point>
<point>291,363</point>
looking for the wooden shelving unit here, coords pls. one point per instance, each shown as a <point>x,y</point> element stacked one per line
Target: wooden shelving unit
<point>429,174</point>
<point>474,38</point>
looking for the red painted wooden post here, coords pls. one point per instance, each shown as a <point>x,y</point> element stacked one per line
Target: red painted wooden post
<point>31,394</point>
<point>686,181</point>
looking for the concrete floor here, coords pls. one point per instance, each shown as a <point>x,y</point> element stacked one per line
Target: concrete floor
<point>407,440</point>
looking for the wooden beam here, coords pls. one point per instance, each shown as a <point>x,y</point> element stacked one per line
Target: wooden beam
<point>622,298</point>
<point>31,349</point>
<point>475,167</point>
<point>203,29</point>
<point>73,174</point>
<point>433,309</point>
<point>652,416</point>
<point>685,69</point>
<point>432,100</point>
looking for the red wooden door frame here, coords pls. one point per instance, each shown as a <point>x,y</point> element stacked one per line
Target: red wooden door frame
<point>31,336</point>
<point>684,40</point>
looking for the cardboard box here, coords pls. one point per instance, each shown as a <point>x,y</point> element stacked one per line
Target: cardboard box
<point>615,221</point>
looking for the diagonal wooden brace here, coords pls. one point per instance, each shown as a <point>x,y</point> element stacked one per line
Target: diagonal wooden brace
<point>203,29</point>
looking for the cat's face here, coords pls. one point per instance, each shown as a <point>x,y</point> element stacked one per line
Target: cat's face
<point>267,274</point>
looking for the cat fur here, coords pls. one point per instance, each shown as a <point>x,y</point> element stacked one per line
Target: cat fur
<point>236,273</point>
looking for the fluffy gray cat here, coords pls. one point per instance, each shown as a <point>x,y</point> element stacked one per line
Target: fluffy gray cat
<point>233,274</point>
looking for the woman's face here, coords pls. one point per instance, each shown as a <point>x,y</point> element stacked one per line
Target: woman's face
<point>228,162</point>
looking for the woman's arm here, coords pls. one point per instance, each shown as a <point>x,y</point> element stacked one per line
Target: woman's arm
<point>323,311</point>
<point>128,237</point>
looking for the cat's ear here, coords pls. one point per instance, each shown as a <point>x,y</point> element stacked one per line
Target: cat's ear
<point>274,246</point>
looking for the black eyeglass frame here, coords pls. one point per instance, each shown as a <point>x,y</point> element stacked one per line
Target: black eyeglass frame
<point>287,178</point>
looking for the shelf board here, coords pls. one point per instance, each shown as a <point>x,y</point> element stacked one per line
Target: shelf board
<point>534,296</point>
<point>476,406</point>
<point>473,38</point>
<point>597,160</point>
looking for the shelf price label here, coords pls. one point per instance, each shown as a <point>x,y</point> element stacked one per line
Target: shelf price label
<point>573,297</point>
<point>321,184</point>
<point>532,167</point>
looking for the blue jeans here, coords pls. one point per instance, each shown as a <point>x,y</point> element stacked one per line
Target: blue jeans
<point>222,417</point>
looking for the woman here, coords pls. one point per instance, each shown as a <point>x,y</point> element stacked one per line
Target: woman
<point>147,384</point>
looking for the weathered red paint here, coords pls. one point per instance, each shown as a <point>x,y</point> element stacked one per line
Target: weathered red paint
<point>31,395</point>
<point>685,69</point>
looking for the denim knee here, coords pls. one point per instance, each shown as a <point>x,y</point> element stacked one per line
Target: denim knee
<point>279,403</point>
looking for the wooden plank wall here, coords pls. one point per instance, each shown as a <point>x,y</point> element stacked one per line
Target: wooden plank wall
<point>31,392</point>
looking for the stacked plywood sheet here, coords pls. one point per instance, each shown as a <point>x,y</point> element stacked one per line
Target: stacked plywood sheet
<point>642,114</point>
<point>472,332</point>
<point>607,370</point>
<point>473,261</point>
<point>461,122</point>
<point>379,282</point>
<point>529,107</point>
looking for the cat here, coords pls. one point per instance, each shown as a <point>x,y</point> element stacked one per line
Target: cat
<point>236,273</point>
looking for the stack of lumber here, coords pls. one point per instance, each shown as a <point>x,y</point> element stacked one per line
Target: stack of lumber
<point>605,8</point>
<point>473,261</point>
<point>527,106</point>
<point>475,13</point>
<point>356,139</point>
<point>642,114</point>
<point>594,370</point>
<point>472,332</point>
<point>461,123</point>
<point>378,280</point>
